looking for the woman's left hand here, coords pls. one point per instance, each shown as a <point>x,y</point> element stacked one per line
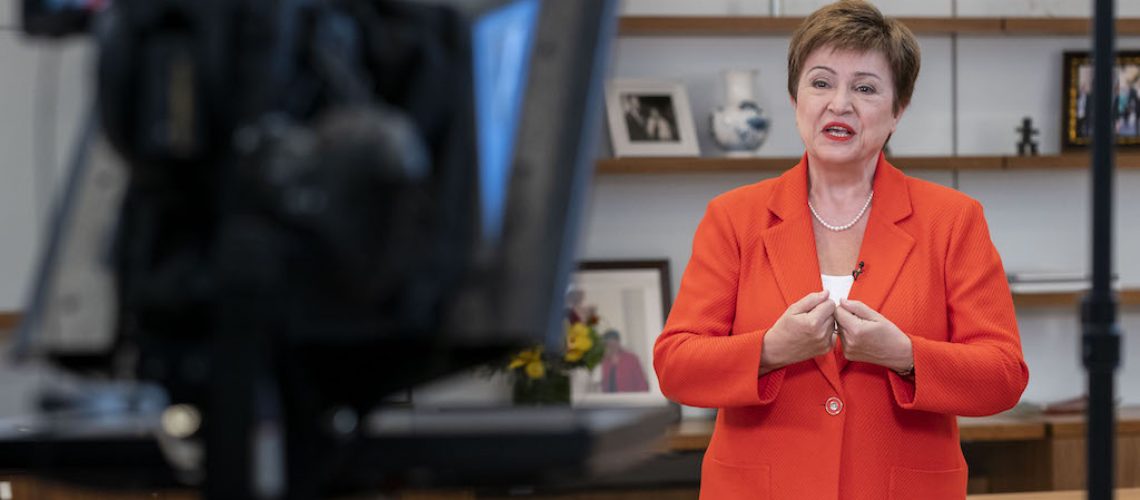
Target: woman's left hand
<point>870,337</point>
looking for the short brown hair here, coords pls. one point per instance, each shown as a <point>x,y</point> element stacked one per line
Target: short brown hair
<point>858,26</point>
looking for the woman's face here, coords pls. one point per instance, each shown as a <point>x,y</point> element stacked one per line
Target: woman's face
<point>844,105</point>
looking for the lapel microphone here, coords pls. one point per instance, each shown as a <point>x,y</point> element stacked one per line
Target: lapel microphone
<point>859,270</point>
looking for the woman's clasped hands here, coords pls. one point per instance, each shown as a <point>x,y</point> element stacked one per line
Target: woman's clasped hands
<point>812,325</point>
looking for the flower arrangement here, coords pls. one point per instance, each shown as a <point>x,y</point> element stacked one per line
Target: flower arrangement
<point>542,377</point>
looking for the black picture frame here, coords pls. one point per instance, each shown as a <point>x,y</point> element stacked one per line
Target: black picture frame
<point>1076,101</point>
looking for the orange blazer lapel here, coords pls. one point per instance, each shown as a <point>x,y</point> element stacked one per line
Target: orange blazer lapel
<point>885,245</point>
<point>790,246</point>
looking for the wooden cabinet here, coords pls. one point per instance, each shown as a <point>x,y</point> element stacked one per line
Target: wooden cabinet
<point>1121,494</point>
<point>1008,453</point>
<point>21,486</point>
<point>1056,462</point>
<point>1067,448</point>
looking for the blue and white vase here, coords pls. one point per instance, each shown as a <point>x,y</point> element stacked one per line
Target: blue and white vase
<point>740,126</point>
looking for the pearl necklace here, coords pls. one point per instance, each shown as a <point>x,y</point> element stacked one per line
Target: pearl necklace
<point>847,225</point>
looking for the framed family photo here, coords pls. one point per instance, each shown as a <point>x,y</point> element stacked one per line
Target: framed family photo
<point>1076,99</point>
<point>650,118</point>
<point>629,301</point>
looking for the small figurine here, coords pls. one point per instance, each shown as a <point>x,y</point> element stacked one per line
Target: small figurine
<point>1027,133</point>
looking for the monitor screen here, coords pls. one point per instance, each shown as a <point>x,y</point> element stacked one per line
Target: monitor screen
<point>502,43</point>
<point>59,17</point>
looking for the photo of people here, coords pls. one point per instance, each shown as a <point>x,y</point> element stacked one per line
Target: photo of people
<point>621,370</point>
<point>649,118</point>
<point>626,308</point>
<point>1083,102</point>
<point>1125,100</point>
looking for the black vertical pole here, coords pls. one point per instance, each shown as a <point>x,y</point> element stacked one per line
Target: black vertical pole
<point>1100,342</point>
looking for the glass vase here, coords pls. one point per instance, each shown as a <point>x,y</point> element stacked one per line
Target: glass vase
<point>552,389</point>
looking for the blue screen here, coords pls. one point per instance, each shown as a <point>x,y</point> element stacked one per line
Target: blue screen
<point>503,40</point>
<point>87,5</point>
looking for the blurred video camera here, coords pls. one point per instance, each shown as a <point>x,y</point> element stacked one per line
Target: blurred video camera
<point>322,202</point>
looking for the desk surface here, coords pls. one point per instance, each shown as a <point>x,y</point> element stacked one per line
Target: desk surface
<point>1121,494</point>
<point>694,435</point>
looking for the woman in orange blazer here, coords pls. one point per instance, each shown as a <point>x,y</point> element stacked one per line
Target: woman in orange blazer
<point>843,314</point>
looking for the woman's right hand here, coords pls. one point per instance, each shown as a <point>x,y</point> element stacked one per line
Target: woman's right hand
<point>804,331</point>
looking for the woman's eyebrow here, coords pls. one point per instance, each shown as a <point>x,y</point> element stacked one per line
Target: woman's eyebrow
<point>857,73</point>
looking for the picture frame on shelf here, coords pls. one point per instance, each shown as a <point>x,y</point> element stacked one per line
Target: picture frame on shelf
<point>650,118</point>
<point>626,302</point>
<point>1076,99</point>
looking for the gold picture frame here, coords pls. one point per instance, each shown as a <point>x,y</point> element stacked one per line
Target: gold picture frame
<point>1076,100</point>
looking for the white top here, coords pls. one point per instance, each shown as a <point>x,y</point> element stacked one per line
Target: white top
<point>837,286</point>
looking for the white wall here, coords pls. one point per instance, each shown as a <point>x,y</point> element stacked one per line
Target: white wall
<point>7,13</point>
<point>18,211</point>
<point>1038,219</point>
<point>43,89</point>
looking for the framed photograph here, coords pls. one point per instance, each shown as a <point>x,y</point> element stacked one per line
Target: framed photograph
<point>650,118</point>
<point>628,302</point>
<point>1076,97</point>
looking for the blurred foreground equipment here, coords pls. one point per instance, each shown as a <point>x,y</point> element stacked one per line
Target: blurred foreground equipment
<point>324,202</point>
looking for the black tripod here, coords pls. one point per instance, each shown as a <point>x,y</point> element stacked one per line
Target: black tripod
<point>1101,340</point>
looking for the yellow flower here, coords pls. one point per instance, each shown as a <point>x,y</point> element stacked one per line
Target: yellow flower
<point>578,342</point>
<point>525,356</point>
<point>531,359</point>
<point>535,369</point>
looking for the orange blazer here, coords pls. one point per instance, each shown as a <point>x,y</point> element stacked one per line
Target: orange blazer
<point>827,429</point>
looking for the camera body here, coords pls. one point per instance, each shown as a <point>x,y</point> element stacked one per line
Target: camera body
<point>310,222</point>
<point>302,169</point>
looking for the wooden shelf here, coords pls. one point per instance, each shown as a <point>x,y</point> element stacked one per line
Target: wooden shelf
<point>1001,428</point>
<point>780,26</point>
<point>1127,297</point>
<point>706,25</point>
<point>1066,160</point>
<point>1074,426</point>
<point>693,165</point>
<point>696,165</point>
<point>682,165</point>
<point>1074,26</point>
<point>761,26</point>
<point>949,162</point>
<point>1058,161</point>
<point>9,320</point>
